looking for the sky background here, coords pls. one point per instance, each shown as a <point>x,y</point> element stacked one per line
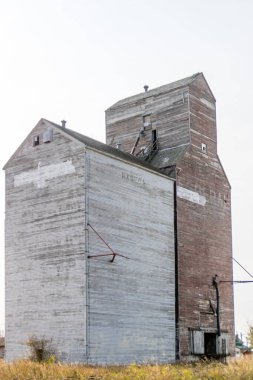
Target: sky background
<point>72,59</point>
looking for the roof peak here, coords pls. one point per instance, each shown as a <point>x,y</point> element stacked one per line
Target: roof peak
<point>90,143</point>
<point>164,88</point>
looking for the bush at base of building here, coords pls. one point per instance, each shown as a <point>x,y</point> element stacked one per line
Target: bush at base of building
<point>41,349</point>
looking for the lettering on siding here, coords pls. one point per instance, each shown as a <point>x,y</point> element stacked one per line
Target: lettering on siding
<point>40,176</point>
<point>191,196</point>
<point>133,178</point>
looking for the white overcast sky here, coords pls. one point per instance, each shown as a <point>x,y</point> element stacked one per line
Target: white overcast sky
<point>71,59</point>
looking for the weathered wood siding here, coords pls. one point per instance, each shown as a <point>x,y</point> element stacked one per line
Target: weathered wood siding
<point>45,240</point>
<point>203,117</point>
<point>126,309</point>
<point>203,197</point>
<point>169,116</point>
<point>204,226</point>
<point>131,313</point>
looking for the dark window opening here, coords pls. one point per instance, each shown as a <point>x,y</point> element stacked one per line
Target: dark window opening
<point>210,344</point>
<point>36,140</point>
<point>204,148</point>
<point>154,139</point>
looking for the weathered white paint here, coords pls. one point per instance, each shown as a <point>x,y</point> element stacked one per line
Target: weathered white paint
<point>131,301</point>
<point>222,344</point>
<point>94,310</point>
<point>207,103</point>
<point>215,164</point>
<point>191,196</point>
<point>42,174</point>
<point>197,342</point>
<point>45,240</point>
<point>197,339</point>
<point>130,177</point>
<point>164,107</point>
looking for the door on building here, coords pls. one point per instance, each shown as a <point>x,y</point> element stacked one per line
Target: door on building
<point>210,344</point>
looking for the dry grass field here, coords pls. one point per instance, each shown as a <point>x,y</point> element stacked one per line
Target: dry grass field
<point>26,370</point>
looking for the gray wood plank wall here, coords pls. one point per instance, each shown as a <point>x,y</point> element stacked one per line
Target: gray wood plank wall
<point>169,115</point>
<point>45,284</point>
<point>131,301</point>
<point>52,190</point>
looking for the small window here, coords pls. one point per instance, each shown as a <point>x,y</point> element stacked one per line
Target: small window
<point>146,121</point>
<point>204,148</point>
<point>36,140</point>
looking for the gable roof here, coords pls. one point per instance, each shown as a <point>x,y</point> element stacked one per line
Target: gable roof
<point>104,148</point>
<point>158,90</point>
<point>165,157</point>
<point>93,144</point>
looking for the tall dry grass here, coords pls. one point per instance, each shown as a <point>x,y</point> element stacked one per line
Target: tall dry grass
<point>26,370</point>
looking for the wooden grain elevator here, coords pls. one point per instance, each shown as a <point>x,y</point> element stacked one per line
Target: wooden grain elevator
<point>173,127</point>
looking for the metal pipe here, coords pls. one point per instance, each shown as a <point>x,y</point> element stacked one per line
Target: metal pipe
<point>237,282</point>
<point>100,237</point>
<point>242,267</point>
<point>216,286</point>
<point>176,275</point>
<point>87,295</point>
<point>135,144</point>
